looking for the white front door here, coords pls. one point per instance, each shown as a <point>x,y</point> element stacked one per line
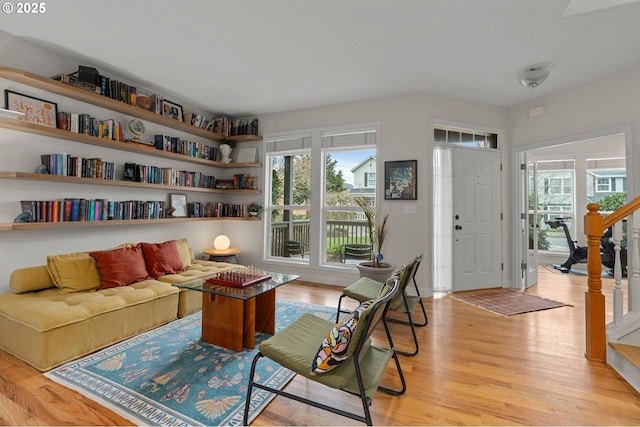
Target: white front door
<point>477,219</point>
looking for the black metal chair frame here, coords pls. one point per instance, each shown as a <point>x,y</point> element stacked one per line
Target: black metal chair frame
<point>412,270</point>
<point>407,310</point>
<point>358,251</point>
<point>294,248</point>
<point>378,313</point>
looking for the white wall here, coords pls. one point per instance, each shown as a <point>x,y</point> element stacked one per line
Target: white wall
<point>611,103</point>
<point>405,134</point>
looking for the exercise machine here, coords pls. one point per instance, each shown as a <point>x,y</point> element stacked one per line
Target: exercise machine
<point>578,254</point>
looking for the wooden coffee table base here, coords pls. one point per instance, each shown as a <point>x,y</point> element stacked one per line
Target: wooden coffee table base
<point>232,323</point>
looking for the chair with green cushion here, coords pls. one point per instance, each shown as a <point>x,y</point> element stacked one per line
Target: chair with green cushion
<point>365,288</point>
<point>340,356</point>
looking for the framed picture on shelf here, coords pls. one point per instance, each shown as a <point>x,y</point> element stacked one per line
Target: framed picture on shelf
<point>178,204</point>
<point>401,180</point>
<point>35,110</point>
<point>172,110</point>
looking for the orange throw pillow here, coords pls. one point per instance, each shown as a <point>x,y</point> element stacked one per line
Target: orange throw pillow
<point>162,258</point>
<point>120,267</point>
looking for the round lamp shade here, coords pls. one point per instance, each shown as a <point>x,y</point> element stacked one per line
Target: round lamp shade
<point>221,242</point>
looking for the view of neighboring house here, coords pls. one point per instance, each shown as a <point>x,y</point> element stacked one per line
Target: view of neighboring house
<point>556,188</point>
<point>601,183</point>
<point>364,178</point>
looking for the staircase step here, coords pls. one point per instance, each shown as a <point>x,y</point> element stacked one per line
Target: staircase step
<point>629,351</point>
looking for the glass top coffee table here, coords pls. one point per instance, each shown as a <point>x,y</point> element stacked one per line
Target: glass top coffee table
<point>232,315</point>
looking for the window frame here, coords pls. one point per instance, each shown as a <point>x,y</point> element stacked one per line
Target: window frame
<point>317,206</point>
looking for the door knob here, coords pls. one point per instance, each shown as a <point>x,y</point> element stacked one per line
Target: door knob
<point>458,227</point>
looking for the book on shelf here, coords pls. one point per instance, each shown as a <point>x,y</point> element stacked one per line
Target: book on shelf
<point>168,176</point>
<point>243,181</point>
<point>224,184</point>
<point>63,164</point>
<point>79,209</point>
<point>76,82</point>
<point>89,125</point>
<point>188,148</point>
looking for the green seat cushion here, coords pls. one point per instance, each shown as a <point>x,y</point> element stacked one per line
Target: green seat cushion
<point>295,347</point>
<point>397,304</point>
<point>363,289</point>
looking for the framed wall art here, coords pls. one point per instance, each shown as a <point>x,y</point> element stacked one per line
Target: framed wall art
<point>401,180</point>
<point>178,202</point>
<point>35,110</point>
<point>172,110</point>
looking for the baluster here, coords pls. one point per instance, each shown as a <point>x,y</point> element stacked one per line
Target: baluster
<point>618,295</point>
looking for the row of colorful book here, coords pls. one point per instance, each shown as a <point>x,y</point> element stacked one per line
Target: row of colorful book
<point>78,209</point>
<point>216,209</point>
<point>66,165</point>
<point>223,125</point>
<point>171,176</point>
<point>89,125</point>
<point>178,145</point>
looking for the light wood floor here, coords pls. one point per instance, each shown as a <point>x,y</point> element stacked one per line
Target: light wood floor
<point>474,368</point>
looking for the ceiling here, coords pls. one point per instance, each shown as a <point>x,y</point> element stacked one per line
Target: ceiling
<point>245,57</point>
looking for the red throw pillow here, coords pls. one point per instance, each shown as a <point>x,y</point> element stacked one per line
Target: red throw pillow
<point>120,267</point>
<point>162,258</point>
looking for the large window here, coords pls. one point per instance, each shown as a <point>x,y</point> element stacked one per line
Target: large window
<point>314,179</point>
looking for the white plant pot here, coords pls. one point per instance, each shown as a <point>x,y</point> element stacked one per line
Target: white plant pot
<point>379,274</point>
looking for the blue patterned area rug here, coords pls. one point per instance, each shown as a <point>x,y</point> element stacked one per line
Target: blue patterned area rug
<point>167,376</point>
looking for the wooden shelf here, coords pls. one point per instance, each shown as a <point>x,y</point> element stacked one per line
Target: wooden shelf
<point>114,182</point>
<point>102,101</point>
<point>71,224</point>
<point>115,145</point>
<point>59,88</point>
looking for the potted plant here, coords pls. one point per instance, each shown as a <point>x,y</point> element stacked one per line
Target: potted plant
<point>375,269</point>
<point>254,209</point>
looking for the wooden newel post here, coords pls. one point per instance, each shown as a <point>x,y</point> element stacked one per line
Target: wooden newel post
<point>594,300</point>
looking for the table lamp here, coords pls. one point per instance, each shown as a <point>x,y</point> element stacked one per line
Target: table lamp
<point>221,242</point>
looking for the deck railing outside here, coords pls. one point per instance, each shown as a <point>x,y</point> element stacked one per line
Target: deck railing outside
<point>338,233</point>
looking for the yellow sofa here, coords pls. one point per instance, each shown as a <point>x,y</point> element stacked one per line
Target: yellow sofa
<point>55,313</point>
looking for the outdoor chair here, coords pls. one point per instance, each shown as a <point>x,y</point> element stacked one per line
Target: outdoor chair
<point>293,248</point>
<point>340,356</point>
<point>357,251</point>
<point>365,288</point>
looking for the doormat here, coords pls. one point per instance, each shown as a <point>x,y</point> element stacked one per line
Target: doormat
<point>506,302</point>
<point>169,377</point>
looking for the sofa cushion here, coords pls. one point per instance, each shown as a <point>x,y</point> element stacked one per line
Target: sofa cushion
<point>120,267</point>
<point>30,279</point>
<point>162,258</point>
<point>185,252</point>
<point>74,272</point>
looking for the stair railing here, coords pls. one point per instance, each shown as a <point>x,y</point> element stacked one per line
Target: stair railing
<point>595,225</point>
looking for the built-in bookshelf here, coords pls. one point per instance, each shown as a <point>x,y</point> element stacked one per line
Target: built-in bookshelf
<point>109,223</point>
<point>115,182</point>
<point>84,96</point>
<point>64,89</point>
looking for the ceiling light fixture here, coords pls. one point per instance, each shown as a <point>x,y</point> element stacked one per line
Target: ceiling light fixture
<point>533,77</point>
